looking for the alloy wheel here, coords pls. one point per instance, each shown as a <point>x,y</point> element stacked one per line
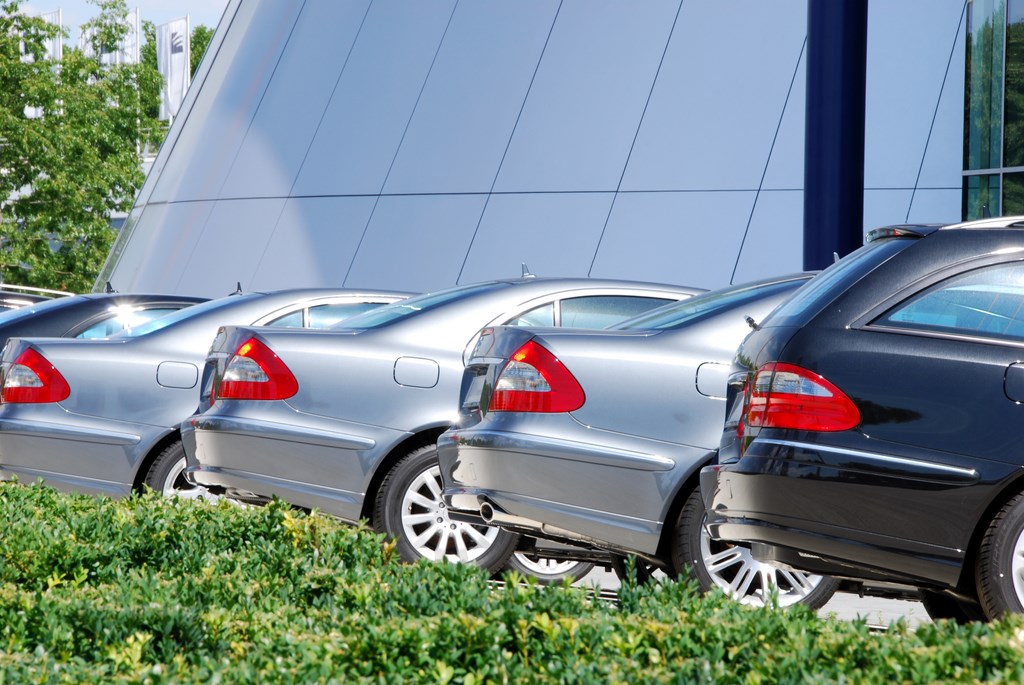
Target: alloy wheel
<point>750,581</point>
<point>430,531</point>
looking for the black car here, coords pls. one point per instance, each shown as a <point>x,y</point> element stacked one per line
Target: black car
<point>17,296</point>
<point>875,429</point>
<point>94,315</point>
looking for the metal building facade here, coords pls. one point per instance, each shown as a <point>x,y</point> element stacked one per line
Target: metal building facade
<point>415,144</point>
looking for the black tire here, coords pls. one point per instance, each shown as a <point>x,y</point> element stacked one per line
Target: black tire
<point>170,462</point>
<point>547,571</point>
<point>693,549</point>
<point>1000,585</point>
<point>633,569</point>
<point>941,606</point>
<point>408,508</point>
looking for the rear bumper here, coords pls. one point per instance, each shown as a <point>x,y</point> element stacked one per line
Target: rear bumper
<point>609,497</point>
<point>90,456</point>
<point>307,467</point>
<point>828,520</point>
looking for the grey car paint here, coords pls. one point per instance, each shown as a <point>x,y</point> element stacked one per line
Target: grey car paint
<point>615,472</point>
<point>369,392</point>
<point>130,392</point>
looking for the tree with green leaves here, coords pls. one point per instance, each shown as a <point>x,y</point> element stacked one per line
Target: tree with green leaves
<point>70,134</point>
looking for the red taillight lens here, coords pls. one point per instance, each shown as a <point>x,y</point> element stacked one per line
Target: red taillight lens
<point>788,396</point>
<point>255,373</point>
<point>535,381</point>
<point>31,378</point>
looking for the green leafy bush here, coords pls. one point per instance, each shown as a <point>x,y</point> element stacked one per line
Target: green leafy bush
<point>151,590</point>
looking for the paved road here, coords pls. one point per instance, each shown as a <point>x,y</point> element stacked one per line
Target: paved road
<point>845,606</point>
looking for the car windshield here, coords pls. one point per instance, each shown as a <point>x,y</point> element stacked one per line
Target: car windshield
<point>403,309</point>
<point>686,312</point>
<point>181,314</point>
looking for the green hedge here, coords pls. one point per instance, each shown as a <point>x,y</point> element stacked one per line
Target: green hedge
<point>150,590</point>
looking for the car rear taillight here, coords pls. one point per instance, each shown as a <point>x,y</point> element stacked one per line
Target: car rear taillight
<point>255,373</point>
<point>32,379</point>
<point>791,397</point>
<point>534,380</point>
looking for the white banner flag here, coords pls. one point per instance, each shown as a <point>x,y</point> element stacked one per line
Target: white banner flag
<point>54,52</point>
<point>55,45</point>
<point>125,52</point>
<point>173,60</point>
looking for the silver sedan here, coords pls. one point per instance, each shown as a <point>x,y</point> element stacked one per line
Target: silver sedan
<point>101,416</point>
<point>345,420</point>
<point>598,437</point>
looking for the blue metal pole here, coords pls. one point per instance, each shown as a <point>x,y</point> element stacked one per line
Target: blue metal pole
<point>834,135</point>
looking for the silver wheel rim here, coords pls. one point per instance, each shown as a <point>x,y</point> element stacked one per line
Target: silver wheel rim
<point>543,566</point>
<point>429,530</point>
<point>175,485</point>
<point>750,581</point>
<point>1017,568</point>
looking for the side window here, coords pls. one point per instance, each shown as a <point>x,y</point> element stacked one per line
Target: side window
<point>291,320</point>
<point>324,315</point>
<point>986,302</point>
<point>120,320</point>
<point>604,310</point>
<point>543,315</point>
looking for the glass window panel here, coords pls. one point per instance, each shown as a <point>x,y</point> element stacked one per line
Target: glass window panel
<point>711,127</point>
<point>786,165</point>
<point>1013,194</point>
<point>1013,126</point>
<point>123,319</point>
<point>162,241</point>
<point>555,234</point>
<point>312,243</point>
<point>324,315</point>
<point>930,205</point>
<point>981,193</point>
<point>575,133</point>
<point>543,315</point>
<point>984,83</point>
<point>470,103</point>
<point>684,238</point>
<point>416,242</point>
<point>230,95</point>
<point>290,110</point>
<point>374,99</point>
<point>601,311</point>
<point>230,249</point>
<point>987,302</point>
<point>291,320</point>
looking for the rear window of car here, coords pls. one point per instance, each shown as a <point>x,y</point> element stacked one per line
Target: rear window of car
<point>382,316</point>
<point>184,313</point>
<point>830,283</point>
<point>28,311</point>
<point>680,314</point>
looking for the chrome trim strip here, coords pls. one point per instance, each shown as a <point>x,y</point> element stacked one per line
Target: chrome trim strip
<point>561,449</point>
<point>56,431</point>
<point>28,475</point>
<point>903,461</point>
<point>269,430</point>
<point>943,335</point>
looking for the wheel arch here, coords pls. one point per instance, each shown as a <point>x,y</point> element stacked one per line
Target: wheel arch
<point>146,462</point>
<point>426,436</point>
<point>679,497</point>
<point>968,580</point>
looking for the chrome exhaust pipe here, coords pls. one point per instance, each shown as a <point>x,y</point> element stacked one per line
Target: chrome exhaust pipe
<point>493,515</point>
